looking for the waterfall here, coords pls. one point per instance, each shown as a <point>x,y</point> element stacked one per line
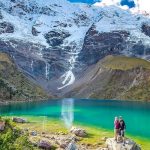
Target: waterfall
<point>47,69</point>
<point>31,65</point>
<point>67,112</point>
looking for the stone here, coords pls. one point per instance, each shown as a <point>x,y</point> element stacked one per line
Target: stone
<point>33,133</point>
<point>71,146</point>
<point>2,126</point>
<point>44,145</point>
<point>78,132</point>
<point>6,27</point>
<point>19,120</point>
<point>43,133</point>
<point>26,129</point>
<point>127,145</point>
<point>63,145</point>
<point>104,138</point>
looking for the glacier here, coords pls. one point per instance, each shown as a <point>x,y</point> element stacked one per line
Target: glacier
<point>52,35</point>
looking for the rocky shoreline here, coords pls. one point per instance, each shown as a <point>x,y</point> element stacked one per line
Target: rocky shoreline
<point>72,140</point>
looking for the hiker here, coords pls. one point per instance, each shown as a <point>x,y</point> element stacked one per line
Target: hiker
<point>122,128</point>
<point>116,128</point>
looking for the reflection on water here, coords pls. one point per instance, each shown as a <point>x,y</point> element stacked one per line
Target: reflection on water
<point>67,112</point>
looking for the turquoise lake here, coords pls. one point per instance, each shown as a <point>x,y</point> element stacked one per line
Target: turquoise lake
<point>96,113</point>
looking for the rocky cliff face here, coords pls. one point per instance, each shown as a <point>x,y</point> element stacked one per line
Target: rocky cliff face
<point>54,41</point>
<point>14,85</point>
<point>114,77</point>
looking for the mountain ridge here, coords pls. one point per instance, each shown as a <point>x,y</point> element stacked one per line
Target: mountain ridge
<point>15,86</point>
<point>114,77</point>
<point>53,42</point>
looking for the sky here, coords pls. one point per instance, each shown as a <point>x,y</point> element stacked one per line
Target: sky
<point>136,5</point>
<point>123,2</point>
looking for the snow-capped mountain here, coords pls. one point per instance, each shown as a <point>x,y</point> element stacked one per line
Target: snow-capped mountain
<point>52,41</point>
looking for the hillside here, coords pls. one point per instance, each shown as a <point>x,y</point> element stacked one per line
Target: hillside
<point>115,77</point>
<point>14,85</point>
<point>53,41</point>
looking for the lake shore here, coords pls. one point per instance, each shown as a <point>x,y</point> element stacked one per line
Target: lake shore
<point>6,102</point>
<point>55,128</point>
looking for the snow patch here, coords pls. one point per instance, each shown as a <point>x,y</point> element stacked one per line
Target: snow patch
<point>69,79</point>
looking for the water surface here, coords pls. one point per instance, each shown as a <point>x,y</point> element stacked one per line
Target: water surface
<point>97,113</point>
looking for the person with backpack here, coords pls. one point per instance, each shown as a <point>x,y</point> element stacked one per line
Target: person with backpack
<point>116,128</point>
<point>122,128</point>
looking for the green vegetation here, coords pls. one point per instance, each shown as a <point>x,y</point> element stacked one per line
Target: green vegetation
<point>129,79</point>
<point>14,85</point>
<point>95,135</point>
<point>13,139</point>
<point>124,63</point>
<point>138,92</point>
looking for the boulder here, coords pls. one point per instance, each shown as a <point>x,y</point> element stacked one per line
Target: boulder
<point>71,146</point>
<point>127,145</point>
<point>19,120</point>
<point>2,126</point>
<point>63,144</point>
<point>78,132</point>
<point>33,133</point>
<point>44,145</point>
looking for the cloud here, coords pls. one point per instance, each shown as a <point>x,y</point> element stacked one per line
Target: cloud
<point>143,5</point>
<point>140,5</point>
<point>117,3</point>
<point>108,3</point>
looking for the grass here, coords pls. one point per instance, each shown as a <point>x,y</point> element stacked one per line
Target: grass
<point>14,85</point>
<point>5,58</point>
<point>95,135</point>
<point>124,63</point>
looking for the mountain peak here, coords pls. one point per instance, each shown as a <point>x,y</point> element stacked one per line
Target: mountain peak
<point>52,41</point>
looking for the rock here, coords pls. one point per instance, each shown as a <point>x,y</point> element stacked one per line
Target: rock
<point>71,146</point>
<point>2,126</point>
<point>6,27</point>
<point>146,29</point>
<point>35,32</point>
<point>33,133</point>
<point>19,120</point>
<point>1,17</point>
<point>128,145</point>
<point>104,138</point>
<point>108,43</point>
<point>63,145</point>
<point>26,129</point>
<point>44,145</point>
<point>43,133</point>
<point>78,132</point>
<point>56,38</point>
